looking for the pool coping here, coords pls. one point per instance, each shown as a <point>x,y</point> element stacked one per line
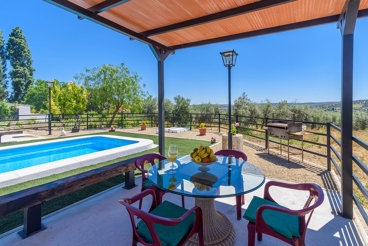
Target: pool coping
<point>57,167</point>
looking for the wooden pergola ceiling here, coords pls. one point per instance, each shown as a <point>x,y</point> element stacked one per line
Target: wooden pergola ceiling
<point>176,24</point>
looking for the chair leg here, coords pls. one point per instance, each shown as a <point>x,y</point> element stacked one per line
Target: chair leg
<point>182,202</point>
<point>238,207</point>
<point>251,234</point>
<point>259,236</point>
<point>242,200</point>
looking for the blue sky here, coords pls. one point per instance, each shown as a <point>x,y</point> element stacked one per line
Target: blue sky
<point>302,65</point>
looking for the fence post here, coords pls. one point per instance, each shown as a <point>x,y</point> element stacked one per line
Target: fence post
<point>219,122</point>
<point>87,120</point>
<point>328,146</point>
<point>190,121</point>
<point>266,133</point>
<point>236,120</point>
<point>121,120</point>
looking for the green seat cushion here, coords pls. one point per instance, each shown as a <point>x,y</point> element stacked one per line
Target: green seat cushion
<point>148,183</point>
<point>284,224</point>
<point>169,235</point>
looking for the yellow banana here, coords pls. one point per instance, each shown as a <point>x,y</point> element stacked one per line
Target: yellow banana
<point>202,152</point>
<point>200,149</point>
<point>204,155</point>
<point>208,149</point>
<point>212,154</point>
<point>195,154</point>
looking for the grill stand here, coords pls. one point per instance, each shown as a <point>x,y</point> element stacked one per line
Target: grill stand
<point>295,135</point>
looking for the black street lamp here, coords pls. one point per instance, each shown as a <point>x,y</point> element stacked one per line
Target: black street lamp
<point>49,85</point>
<point>229,59</point>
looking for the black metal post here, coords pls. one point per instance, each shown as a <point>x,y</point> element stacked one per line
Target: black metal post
<point>219,121</point>
<point>229,135</point>
<point>328,125</point>
<point>266,133</point>
<point>87,121</point>
<point>129,180</point>
<point>347,126</point>
<point>190,121</point>
<point>161,55</point>
<point>49,111</point>
<point>346,23</point>
<point>32,221</point>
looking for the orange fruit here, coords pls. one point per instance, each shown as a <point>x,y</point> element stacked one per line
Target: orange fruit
<point>206,160</point>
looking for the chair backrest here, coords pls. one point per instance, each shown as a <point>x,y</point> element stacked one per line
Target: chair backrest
<point>151,220</point>
<point>141,161</point>
<point>236,153</point>
<point>315,194</point>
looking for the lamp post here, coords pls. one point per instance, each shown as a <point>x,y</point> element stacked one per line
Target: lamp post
<point>229,59</point>
<point>49,85</point>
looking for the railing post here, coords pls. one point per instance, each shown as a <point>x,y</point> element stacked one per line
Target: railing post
<point>32,221</point>
<point>87,120</point>
<point>328,146</point>
<point>190,121</point>
<point>121,120</point>
<point>219,121</point>
<point>236,120</point>
<point>266,133</point>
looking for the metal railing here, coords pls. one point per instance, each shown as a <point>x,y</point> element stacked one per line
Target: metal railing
<point>248,126</point>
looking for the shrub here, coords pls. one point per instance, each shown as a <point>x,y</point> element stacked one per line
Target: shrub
<point>201,125</point>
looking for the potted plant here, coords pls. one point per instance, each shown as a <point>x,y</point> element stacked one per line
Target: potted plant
<point>202,130</point>
<point>143,125</point>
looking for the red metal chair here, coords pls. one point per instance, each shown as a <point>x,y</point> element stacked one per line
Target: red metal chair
<point>266,216</point>
<point>239,155</point>
<point>140,163</point>
<point>164,224</point>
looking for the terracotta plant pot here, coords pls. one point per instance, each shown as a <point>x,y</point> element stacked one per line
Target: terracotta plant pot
<point>143,127</point>
<point>202,131</point>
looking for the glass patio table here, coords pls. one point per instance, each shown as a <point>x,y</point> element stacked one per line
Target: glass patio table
<point>226,177</point>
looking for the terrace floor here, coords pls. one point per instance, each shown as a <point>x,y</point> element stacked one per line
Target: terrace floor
<point>101,220</point>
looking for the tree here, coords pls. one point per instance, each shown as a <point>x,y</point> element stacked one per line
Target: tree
<point>68,99</point>
<point>20,59</point>
<point>241,105</point>
<point>37,96</point>
<point>3,75</point>
<point>150,105</point>
<point>4,111</point>
<point>113,88</point>
<point>181,109</point>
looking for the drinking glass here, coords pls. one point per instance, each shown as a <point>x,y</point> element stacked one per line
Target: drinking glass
<point>172,155</point>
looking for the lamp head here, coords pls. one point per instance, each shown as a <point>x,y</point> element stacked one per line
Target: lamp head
<point>229,58</point>
<point>50,83</point>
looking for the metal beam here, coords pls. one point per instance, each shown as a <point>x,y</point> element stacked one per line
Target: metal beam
<point>161,55</point>
<point>289,27</point>
<point>106,5</point>
<point>346,24</point>
<point>86,14</point>
<point>217,16</point>
<point>348,16</point>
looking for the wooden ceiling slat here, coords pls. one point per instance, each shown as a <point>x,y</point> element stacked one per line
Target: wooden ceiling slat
<point>141,16</point>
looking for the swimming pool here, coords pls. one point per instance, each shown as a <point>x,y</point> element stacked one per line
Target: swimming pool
<point>25,162</point>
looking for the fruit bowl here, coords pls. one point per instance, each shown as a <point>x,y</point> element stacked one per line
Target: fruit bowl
<point>205,163</point>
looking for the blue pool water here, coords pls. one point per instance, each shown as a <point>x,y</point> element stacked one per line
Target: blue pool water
<point>28,156</point>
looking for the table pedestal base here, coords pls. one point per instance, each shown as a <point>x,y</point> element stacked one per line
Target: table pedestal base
<point>217,228</point>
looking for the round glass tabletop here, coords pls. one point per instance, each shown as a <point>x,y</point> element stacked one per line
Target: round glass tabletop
<point>226,177</point>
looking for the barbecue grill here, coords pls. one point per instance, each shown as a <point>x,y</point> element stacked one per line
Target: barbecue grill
<point>284,130</point>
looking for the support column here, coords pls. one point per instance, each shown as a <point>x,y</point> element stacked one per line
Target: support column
<point>161,55</point>
<point>346,24</point>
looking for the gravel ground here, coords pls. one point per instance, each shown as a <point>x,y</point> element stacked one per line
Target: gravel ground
<point>273,165</point>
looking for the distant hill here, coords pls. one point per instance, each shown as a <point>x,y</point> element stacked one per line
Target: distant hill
<point>358,105</point>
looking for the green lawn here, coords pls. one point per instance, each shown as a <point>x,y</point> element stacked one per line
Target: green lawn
<point>15,219</point>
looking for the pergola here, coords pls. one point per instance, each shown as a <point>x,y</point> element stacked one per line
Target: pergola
<point>169,25</point>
